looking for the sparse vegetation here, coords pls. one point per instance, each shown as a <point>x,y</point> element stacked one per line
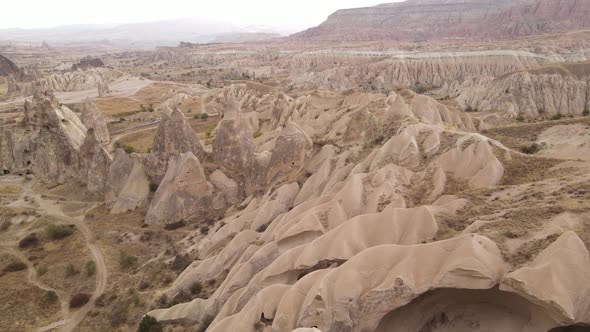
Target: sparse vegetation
<point>257,134</point>
<point>56,232</point>
<point>196,288</point>
<point>5,225</point>
<point>28,241</point>
<point>470,109</point>
<point>90,268</point>
<point>79,300</point>
<point>531,148</point>
<point>128,149</point>
<point>70,270</point>
<point>176,225</point>
<point>520,118</point>
<point>557,116</point>
<point>126,261</point>
<point>586,113</point>
<point>153,187</point>
<point>205,230</point>
<point>51,296</point>
<point>204,116</point>
<point>15,267</point>
<point>41,270</point>
<point>149,324</point>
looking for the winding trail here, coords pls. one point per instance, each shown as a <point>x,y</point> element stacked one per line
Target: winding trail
<point>50,207</point>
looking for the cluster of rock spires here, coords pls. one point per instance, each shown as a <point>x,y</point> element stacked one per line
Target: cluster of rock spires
<point>324,215</point>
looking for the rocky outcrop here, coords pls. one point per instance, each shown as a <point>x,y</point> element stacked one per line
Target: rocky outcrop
<point>175,136</point>
<point>7,67</point>
<point>415,20</point>
<point>94,163</point>
<point>88,62</point>
<point>127,184</point>
<point>289,154</point>
<point>532,93</point>
<point>183,193</point>
<point>103,89</point>
<point>94,119</point>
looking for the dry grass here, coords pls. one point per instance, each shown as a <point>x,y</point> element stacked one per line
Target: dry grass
<point>141,141</point>
<point>113,106</point>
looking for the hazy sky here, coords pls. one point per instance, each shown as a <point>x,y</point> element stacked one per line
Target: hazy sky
<point>293,14</point>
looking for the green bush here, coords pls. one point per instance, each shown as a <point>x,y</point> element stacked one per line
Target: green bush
<point>196,288</point>
<point>70,270</point>
<point>128,149</point>
<point>126,261</point>
<point>531,149</point>
<point>470,109</point>
<point>257,134</point>
<point>149,324</point>
<point>51,296</point>
<point>90,268</point>
<point>79,300</point>
<point>56,232</point>
<point>204,116</point>
<point>15,267</point>
<point>41,270</point>
<point>557,116</point>
<point>520,118</point>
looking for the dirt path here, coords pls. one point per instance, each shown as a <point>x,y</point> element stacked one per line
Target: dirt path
<point>51,208</point>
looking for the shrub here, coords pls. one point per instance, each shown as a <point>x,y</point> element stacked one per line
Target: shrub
<point>51,296</point>
<point>79,300</point>
<point>209,132</point>
<point>531,149</point>
<point>196,288</point>
<point>56,232</point>
<point>15,267</point>
<point>90,268</point>
<point>257,134</point>
<point>5,225</point>
<point>28,241</point>
<point>70,270</point>
<point>42,270</point>
<point>153,187</point>
<point>176,225</point>
<point>520,118</point>
<point>204,116</point>
<point>586,113</point>
<point>126,261</point>
<point>134,296</point>
<point>149,324</point>
<point>128,149</point>
<point>205,230</point>
<point>557,116</point>
<point>470,109</point>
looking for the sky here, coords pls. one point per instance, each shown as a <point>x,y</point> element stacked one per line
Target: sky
<point>292,14</point>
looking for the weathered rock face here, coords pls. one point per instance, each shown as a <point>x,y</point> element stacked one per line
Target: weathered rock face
<point>183,193</point>
<point>94,163</point>
<point>103,89</point>
<point>7,67</point>
<point>531,93</point>
<point>93,118</point>
<point>176,136</point>
<point>60,136</point>
<point>435,19</point>
<point>88,62</point>
<point>233,147</point>
<point>288,156</point>
<point>127,184</point>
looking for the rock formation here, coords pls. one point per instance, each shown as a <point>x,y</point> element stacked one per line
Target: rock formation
<point>94,163</point>
<point>7,67</point>
<point>103,89</point>
<point>93,118</point>
<point>183,193</point>
<point>415,20</point>
<point>176,136</point>
<point>127,184</point>
<point>88,62</point>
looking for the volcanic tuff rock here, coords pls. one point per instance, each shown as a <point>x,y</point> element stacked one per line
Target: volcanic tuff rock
<point>94,163</point>
<point>127,184</point>
<point>288,155</point>
<point>175,136</point>
<point>93,118</point>
<point>414,20</point>
<point>183,193</point>
<point>7,67</point>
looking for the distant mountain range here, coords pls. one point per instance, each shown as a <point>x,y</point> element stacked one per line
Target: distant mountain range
<point>416,20</point>
<point>143,35</point>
